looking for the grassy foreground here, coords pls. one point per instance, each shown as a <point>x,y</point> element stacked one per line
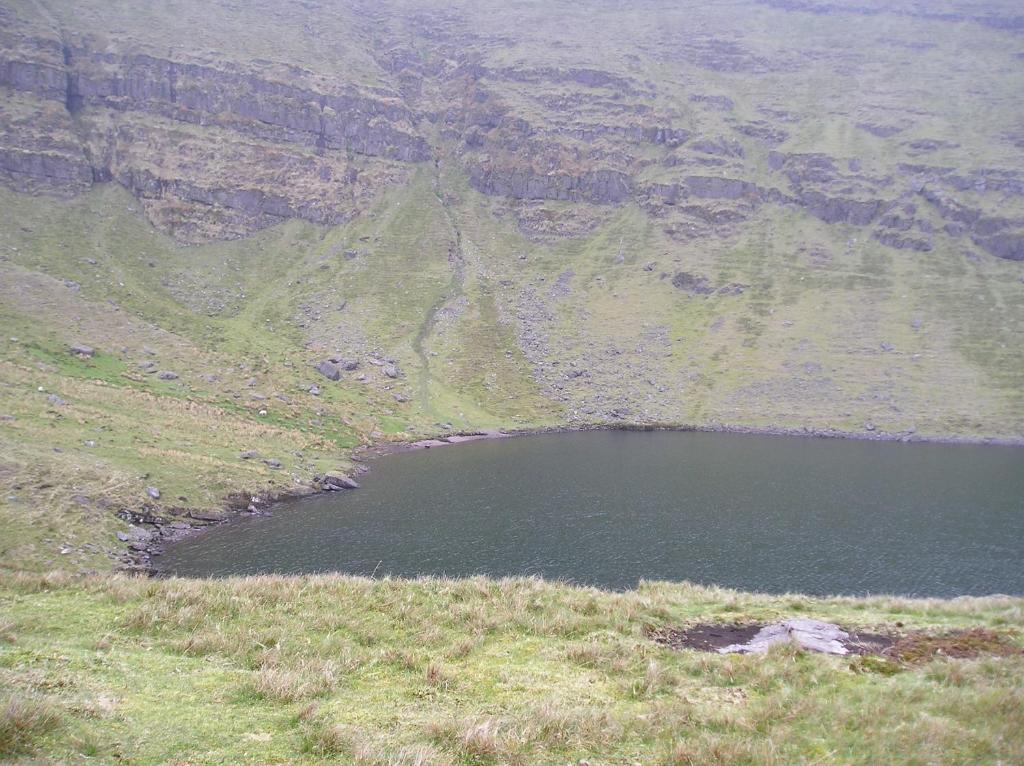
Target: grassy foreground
<point>343,670</point>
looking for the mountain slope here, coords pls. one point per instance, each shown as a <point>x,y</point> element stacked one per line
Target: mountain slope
<point>781,215</point>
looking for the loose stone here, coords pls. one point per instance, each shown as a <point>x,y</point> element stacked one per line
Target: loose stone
<point>80,349</point>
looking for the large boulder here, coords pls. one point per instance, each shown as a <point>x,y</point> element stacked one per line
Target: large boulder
<point>1008,245</point>
<point>329,370</point>
<point>335,480</point>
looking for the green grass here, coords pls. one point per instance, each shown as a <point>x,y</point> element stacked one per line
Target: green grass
<point>335,669</point>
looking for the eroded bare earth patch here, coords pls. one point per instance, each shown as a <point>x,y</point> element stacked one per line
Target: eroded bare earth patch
<point>903,648</point>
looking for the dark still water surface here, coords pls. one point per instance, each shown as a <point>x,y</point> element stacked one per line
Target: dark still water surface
<point>608,508</point>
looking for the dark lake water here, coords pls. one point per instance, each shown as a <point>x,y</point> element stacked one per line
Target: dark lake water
<point>609,508</point>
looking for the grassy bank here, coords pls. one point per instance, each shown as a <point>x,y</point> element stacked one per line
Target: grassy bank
<point>345,670</point>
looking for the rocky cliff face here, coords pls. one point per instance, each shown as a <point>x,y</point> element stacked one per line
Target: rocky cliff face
<point>211,151</point>
<point>221,148</point>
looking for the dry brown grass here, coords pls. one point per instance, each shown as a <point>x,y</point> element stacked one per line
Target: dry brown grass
<point>708,749</point>
<point>486,737</point>
<point>960,644</point>
<point>439,676</point>
<point>23,720</point>
<point>558,724</point>
<point>330,739</point>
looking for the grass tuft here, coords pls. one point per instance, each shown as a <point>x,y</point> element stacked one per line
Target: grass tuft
<point>23,721</point>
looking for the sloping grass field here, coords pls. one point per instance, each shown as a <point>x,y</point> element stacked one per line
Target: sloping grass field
<point>342,670</point>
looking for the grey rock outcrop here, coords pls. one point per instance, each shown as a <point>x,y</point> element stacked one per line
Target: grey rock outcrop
<point>266,118</point>
<point>691,283</point>
<point>659,136</point>
<point>1008,245</point>
<point>266,108</point>
<point>711,187</point>
<point>345,363</point>
<point>838,210</point>
<point>336,480</point>
<point>51,171</point>
<point>296,142</point>
<point>329,370</point>
<point>813,635</point>
<point>600,186</point>
<point>895,240</point>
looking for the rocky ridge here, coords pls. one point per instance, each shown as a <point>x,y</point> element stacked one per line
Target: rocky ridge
<point>287,142</point>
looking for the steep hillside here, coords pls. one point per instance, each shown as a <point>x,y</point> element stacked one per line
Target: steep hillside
<point>762,213</point>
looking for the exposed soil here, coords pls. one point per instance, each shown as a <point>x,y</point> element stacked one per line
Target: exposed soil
<point>705,637</point>
<point>958,644</point>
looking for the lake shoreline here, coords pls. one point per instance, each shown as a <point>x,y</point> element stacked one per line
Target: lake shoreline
<point>906,437</point>
<point>262,503</point>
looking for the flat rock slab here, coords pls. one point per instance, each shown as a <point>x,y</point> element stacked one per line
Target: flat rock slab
<point>209,516</point>
<point>755,638</point>
<point>455,439</point>
<point>460,438</point>
<point>428,443</point>
<point>813,635</point>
